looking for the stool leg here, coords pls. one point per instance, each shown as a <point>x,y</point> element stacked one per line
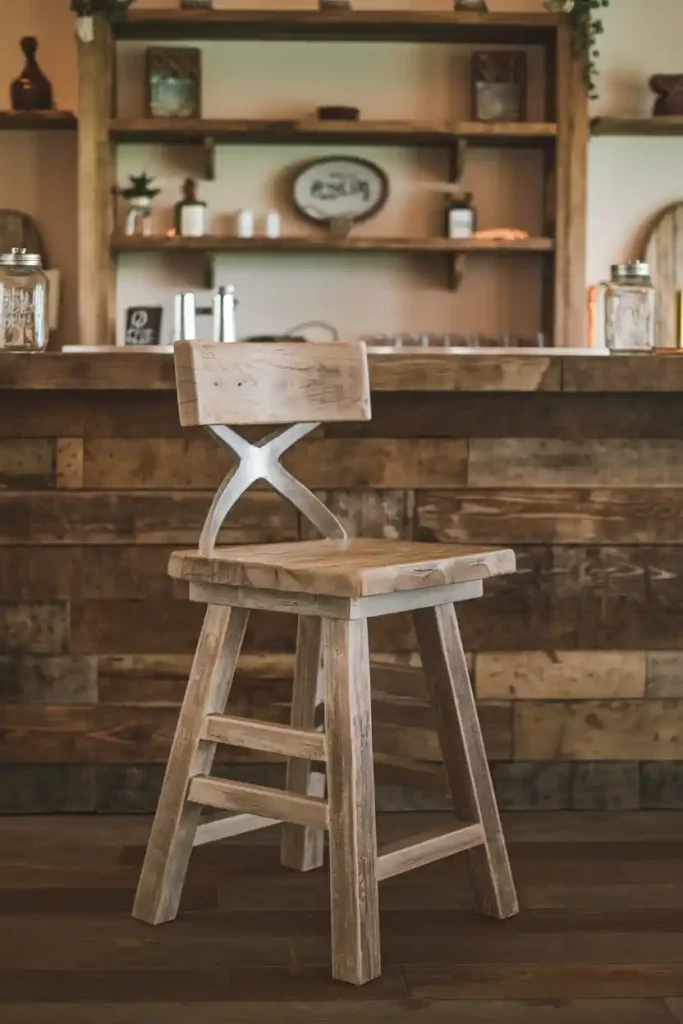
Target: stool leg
<point>176,820</point>
<point>464,756</point>
<point>303,848</point>
<point>351,799</point>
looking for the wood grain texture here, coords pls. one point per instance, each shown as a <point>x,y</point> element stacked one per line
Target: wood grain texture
<point>48,679</point>
<point>69,463</point>
<point>380,514</point>
<point>121,243</point>
<point>598,730</point>
<point>464,757</point>
<point>536,462</point>
<point>571,184</point>
<point>416,851</point>
<point>560,675</point>
<point>175,822</point>
<point>27,463</point>
<point>228,795</point>
<point>628,373</point>
<point>434,371</point>
<point>411,133</point>
<point>356,568</point>
<point>436,26</point>
<point>561,515</point>
<point>161,517</point>
<point>279,383</point>
<point>40,627</point>
<point>199,463</point>
<point>96,74</point>
<point>356,954</point>
<point>302,848</point>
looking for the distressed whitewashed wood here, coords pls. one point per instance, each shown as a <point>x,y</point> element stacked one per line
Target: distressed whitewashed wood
<point>266,736</point>
<point>175,823</point>
<point>228,795</point>
<point>284,382</point>
<point>333,607</point>
<point>464,755</point>
<point>302,848</point>
<point>351,789</point>
<point>406,854</point>
<point>360,567</point>
<point>229,826</point>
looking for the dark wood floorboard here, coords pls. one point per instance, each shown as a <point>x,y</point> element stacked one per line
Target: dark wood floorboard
<point>599,939</point>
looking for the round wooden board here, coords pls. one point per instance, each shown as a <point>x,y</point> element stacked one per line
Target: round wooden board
<point>664,253</point>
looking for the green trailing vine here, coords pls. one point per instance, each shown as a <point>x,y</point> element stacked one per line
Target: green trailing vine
<point>587,30</point>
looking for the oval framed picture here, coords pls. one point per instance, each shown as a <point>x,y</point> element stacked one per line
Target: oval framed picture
<point>339,186</point>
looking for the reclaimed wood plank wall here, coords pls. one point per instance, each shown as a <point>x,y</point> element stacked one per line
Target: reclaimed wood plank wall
<point>577,660</point>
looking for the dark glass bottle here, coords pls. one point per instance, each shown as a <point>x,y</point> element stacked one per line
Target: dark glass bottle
<point>461,217</point>
<point>31,90</point>
<point>190,212</point>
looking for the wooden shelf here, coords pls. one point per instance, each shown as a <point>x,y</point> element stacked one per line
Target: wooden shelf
<point>438,27</point>
<point>653,126</point>
<point>38,120</point>
<point>220,243</point>
<point>412,133</point>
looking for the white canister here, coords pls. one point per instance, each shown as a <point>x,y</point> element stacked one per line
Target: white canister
<point>193,220</point>
<point>245,224</point>
<point>273,224</point>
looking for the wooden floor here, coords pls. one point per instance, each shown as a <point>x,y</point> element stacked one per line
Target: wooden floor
<point>599,939</point>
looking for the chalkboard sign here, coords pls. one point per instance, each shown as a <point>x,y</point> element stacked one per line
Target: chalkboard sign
<point>143,325</point>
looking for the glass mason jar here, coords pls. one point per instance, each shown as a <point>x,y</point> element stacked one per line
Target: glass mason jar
<point>630,309</point>
<point>23,302</point>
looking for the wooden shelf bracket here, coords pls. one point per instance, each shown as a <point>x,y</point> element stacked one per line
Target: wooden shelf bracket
<point>457,157</point>
<point>209,158</point>
<point>456,270</point>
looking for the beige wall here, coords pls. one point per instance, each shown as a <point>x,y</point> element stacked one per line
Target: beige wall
<point>629,179</point>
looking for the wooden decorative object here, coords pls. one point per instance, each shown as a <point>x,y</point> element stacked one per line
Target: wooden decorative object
<point>174,81</point>
<point>669,92</point>
<point>499,85</point>
<point>32,90</point>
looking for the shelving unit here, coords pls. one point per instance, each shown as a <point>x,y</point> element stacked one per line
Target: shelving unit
<point>38,120</point>
<point>226,243</point>
<point>377,133</point>
<point>561,137</point>
<point>633,126</point>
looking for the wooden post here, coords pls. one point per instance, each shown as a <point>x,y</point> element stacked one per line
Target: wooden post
<point>96,278</point>
<point>571,176</point>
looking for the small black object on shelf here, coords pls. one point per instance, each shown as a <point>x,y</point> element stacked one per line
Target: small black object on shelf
<point>338,113</point>
<point>32,90</point>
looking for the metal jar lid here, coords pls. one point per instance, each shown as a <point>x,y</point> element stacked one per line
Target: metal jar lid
<point>20,258</point>
<point>637,269</point>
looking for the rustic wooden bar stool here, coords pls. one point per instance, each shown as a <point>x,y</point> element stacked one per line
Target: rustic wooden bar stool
<point>334,585</point>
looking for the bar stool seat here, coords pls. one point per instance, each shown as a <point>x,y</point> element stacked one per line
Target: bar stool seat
<point>333,586</point>
<point>353,568</point>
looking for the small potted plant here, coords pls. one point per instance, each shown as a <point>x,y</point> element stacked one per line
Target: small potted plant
<point>139,195</point>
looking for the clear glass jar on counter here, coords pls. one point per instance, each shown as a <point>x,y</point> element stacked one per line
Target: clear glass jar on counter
<point>630,309</point>
<point>23,302</point>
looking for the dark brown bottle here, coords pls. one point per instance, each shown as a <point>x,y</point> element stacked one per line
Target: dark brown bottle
<point>31,90</point>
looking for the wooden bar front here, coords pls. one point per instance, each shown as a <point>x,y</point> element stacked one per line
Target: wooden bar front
<point>576,463</point>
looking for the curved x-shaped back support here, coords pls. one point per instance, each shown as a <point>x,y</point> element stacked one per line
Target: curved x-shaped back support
<point>261,461</point>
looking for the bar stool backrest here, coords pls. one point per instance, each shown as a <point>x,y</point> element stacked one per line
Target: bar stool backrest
<point>262,383</point>
<point>271,382</point>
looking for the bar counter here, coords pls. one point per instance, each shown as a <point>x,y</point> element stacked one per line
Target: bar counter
<point>574,461</point>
